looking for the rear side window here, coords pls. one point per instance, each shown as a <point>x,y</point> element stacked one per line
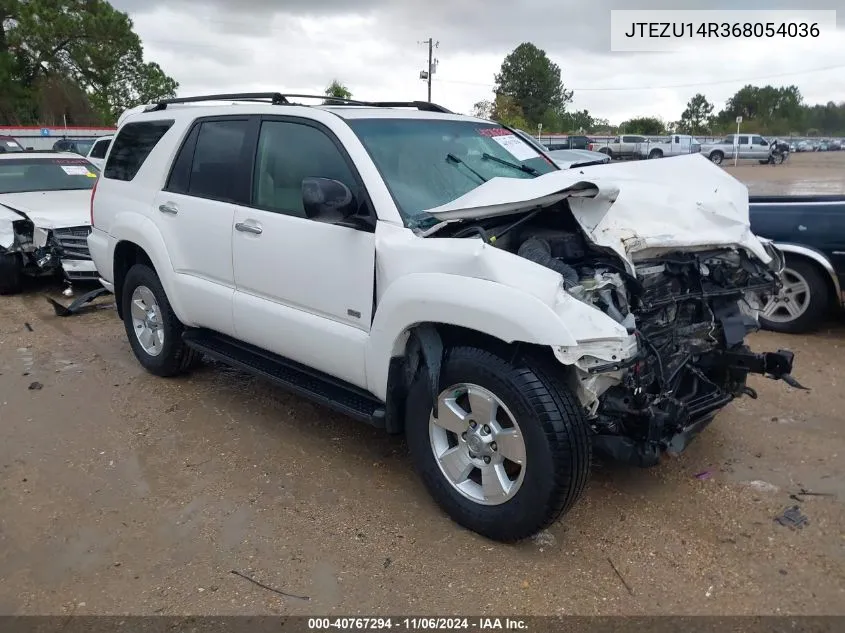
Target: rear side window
<point>132,145</point>
<point>100,148</point>
<point>219,153</point>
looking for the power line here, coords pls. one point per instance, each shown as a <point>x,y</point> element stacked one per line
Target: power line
<point>668,87</point>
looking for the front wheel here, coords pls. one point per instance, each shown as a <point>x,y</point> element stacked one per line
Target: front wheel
<point>154,332</point>
<point>508,451</point>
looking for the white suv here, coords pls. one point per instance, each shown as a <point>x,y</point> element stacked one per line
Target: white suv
<point>435,274</point>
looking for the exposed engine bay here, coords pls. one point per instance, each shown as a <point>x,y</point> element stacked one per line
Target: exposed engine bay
<point>690,311</point>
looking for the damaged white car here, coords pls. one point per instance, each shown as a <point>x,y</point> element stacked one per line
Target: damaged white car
<point>438,276</point>
<point>44,217</point>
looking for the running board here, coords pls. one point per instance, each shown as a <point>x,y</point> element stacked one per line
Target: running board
<point>303,381</point>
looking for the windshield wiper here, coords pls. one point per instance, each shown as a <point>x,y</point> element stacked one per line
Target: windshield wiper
<point>525,168</point>
<point>451,158</point>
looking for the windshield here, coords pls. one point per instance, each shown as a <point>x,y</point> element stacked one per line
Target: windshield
<point>426,163</point>
<point>46,174</point>
<point>83,147</point>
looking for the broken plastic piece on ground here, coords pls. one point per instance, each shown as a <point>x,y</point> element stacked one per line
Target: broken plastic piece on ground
<point>707,474</point>
<point>762,486</point>
<point>77,304</point>
<point>789,380</point>
<point>68,292</point>
<point>35,385</point>
<point>792,518</point>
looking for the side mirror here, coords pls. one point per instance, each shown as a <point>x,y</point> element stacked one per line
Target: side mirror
<point>326,200</point>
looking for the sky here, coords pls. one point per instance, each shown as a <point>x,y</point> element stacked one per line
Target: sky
<point>374,48</point>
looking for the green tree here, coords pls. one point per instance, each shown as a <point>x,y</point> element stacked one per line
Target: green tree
<point>532,81</point>
<point>577,122</point>
<point>696,118</point>
<point>766,108</point>
<point>86,43</point>
<point>508,112</point>
<point>338,91</point>
<point>646,126</point>
<point>483,109</point>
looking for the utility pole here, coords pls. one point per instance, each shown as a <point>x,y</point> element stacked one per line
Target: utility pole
<point>432,64</point>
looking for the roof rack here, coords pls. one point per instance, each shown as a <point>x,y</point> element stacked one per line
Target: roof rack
<point>277,98</point>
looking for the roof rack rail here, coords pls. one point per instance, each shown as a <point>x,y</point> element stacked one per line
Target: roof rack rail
<point>277,98</point>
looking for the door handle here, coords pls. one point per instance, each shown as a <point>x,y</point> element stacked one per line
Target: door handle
<point>168,207</point>
<point>249,228</point>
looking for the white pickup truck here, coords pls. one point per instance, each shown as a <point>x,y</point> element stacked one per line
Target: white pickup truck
<point>435,275</point>
<point>744,146</point>
<point>676,145</point>
<point>624,146</point>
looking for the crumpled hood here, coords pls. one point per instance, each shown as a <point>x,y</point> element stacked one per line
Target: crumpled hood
<point>51,209</point>
<point>633,207</point>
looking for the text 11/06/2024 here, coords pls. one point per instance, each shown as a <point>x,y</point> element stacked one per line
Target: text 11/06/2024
<point>417,624</point>
<point>651,31</point>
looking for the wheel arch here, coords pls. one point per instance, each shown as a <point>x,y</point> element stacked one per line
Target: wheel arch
<point>138,240</point>
<point>126,255</point>
<point>819,260</point>
<point>420,351</point>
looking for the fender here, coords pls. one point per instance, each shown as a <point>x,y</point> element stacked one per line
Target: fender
<point>8,216</point>
<point>140,230</point>
<point>816,256</point>
<point>462,301</point>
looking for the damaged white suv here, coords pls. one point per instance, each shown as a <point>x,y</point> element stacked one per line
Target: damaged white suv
<point>437,275</point>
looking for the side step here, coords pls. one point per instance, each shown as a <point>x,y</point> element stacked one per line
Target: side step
<point>299,379</point>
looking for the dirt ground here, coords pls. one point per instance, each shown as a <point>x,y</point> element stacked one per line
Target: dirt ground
<point>125,493</point>
<point>804,173</point>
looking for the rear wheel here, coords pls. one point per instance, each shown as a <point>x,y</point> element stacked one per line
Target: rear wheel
<point>716,158</point>
<point>508,451</point>
<point>11,274</point>
<point>154,332</point>
<point>608,151</point>
<point>655,153</point>
<point>801,304</point>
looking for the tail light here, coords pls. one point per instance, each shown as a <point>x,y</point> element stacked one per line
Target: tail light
<point>93,191</point>
<point>590,146</point>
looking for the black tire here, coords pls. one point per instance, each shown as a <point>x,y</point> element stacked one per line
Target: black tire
<point>655,153</point>
<point>608,151</point>
<point>558,451</point>
<point>819,300</point>
<point>175,357</point>
<point>716,158</point>
<point>11,274</point>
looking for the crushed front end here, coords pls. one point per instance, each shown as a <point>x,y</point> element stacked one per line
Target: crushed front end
<point>50,251</point>
<point>690,313</point>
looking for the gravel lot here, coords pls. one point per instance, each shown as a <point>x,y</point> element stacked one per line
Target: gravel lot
<point>124,493</point>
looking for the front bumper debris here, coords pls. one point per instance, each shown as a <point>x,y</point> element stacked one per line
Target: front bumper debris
<point>668,423</point>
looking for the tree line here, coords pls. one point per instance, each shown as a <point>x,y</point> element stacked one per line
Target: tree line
<point>529,92</point>
<point>74,62</point>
